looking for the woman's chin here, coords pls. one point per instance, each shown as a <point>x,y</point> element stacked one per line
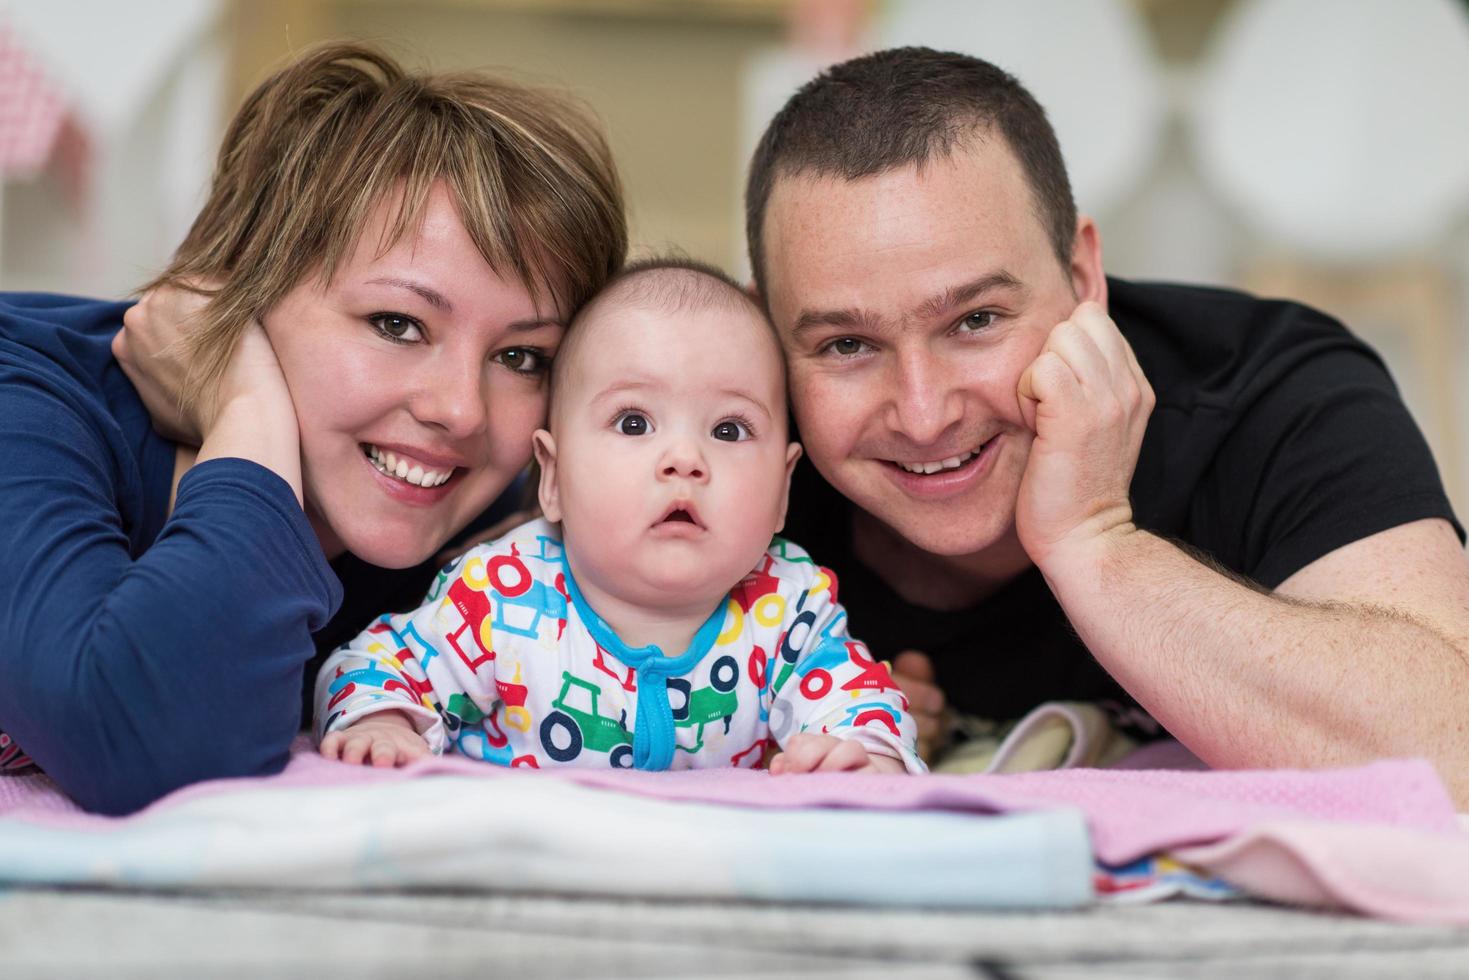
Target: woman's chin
<point>387,553</point>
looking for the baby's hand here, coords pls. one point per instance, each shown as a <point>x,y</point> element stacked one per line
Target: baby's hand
<point>384,740</point>
<point>827,753</point>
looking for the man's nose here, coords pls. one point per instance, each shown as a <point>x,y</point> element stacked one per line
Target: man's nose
<point>450,395</point>
<point>682,459</point>
<point>925,399</point>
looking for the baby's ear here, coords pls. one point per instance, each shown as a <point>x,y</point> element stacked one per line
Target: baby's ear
<point>793,453</point>
<point>544,446</point>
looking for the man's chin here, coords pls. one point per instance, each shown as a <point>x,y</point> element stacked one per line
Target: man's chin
<point>949,542</point>
<point>945,535</point>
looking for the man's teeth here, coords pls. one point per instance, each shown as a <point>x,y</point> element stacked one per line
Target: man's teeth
<point>952,463</point>
<point>389,464</point>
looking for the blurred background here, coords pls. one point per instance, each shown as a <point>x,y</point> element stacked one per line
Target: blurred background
<point>1315,149</point>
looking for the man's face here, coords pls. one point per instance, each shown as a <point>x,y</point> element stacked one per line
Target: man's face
<point>909,304</point>
<point>670,463</point>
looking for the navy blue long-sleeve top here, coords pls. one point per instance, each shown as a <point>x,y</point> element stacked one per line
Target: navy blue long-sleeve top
<point>142,650</point>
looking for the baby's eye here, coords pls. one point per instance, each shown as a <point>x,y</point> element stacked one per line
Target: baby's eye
<point>632,424</point>
<point>976,321</point>
<point>397,327</point>
<point>524,360</point>
<point>731,430</point>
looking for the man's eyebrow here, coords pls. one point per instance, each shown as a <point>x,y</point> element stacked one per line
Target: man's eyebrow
<point>966,293</point>
<point>432,297</point>
<point>947,300</point>
<point>832,318</point>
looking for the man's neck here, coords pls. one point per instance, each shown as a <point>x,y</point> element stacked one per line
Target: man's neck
<point>938,582</point>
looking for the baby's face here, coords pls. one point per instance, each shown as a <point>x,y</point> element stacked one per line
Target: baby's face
<point>671,457</point>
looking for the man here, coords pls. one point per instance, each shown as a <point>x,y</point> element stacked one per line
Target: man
<point>1062,486</point>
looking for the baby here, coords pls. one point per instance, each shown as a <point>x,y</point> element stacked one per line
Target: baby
<point>648,620</point>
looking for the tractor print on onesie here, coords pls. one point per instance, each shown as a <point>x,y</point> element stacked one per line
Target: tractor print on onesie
<point>698,708</point>
<point>574,724</point>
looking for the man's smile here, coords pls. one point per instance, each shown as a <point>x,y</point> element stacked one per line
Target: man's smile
<point>945,476</point>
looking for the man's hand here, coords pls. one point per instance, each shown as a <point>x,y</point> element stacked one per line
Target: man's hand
<point>1088,402</point>
<point>827,753</point>
<point>914,673</point>
<point>383,740</point>
<point>148,348</point>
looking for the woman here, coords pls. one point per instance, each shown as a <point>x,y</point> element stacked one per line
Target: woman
<point>396,257</point>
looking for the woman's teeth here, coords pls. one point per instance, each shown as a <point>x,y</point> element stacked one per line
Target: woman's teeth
<point>952,463</point>
<point>389,464</point>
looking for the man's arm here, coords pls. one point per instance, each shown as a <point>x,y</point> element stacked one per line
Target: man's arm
<point>1362,654</point>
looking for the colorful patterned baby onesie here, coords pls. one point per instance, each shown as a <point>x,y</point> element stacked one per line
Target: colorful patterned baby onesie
<point>505,662</point>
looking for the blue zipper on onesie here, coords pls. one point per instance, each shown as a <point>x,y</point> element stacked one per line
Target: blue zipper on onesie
<point>653,728</point>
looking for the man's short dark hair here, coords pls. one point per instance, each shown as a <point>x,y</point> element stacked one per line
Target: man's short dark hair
<point>901,107</point>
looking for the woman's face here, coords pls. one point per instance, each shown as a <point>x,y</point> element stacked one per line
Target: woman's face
<point>418,376</point>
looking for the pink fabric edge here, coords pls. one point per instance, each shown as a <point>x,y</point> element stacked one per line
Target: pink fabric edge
<point>1397,873</point>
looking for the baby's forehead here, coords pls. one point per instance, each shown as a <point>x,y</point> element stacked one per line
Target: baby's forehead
<point>692,305</point>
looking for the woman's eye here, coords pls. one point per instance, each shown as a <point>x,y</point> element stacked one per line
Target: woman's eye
<point>977,321</point>
<point>633,424</point>
<point>397,327</point>
<point>731,431</point>
<point>523,360</point>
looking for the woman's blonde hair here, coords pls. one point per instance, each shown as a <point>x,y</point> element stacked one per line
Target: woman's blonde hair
<point>317,147</point>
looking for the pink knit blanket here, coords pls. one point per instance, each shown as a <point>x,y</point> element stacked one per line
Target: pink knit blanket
<point>1381,838</point>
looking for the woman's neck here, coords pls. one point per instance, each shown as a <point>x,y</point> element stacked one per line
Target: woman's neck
<point>331,545</point>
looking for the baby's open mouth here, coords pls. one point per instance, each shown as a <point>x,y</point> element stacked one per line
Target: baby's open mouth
<point>681,512</point>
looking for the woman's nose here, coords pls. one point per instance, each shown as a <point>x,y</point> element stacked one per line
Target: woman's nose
<point>451,398</point>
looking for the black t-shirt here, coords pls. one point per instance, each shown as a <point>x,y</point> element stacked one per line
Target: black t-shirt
<point>1277,438</point>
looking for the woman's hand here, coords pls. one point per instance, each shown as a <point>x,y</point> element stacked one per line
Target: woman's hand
<point>382,740</point>
<point>250,413</point>
<point>148,348</point>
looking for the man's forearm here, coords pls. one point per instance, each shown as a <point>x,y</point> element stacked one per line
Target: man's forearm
<point>1249,679</point>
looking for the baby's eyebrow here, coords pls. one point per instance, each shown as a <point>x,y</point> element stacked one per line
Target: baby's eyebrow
<point>617,387</point>
<point>746,396</point>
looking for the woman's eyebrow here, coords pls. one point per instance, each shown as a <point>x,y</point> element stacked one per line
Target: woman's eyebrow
<point>432,297</point>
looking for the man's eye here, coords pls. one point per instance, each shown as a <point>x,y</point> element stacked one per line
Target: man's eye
<point>731,430</point>
<point>845,346</point>
<point>977,321</point>
<point>397,327</point>
<point>523,360</point>
<point>633,424</point>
